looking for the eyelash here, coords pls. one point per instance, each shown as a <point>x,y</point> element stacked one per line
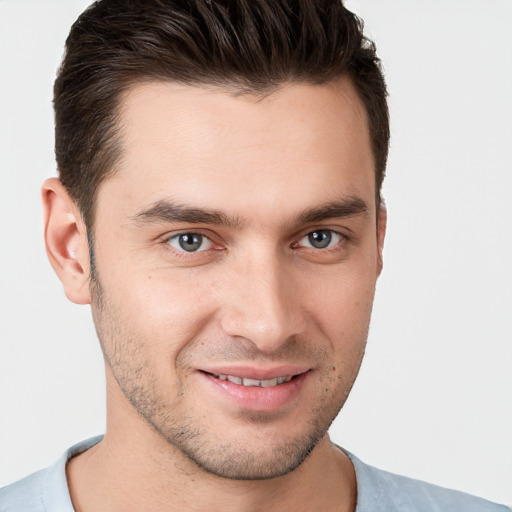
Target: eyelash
<point>330,233</point>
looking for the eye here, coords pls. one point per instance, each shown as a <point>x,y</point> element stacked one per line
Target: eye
<point>321,239</point>
<point>190,242</point>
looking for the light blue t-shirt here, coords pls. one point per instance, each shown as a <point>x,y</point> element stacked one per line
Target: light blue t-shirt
<point>377,491</point>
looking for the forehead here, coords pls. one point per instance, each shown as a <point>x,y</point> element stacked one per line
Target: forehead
<point>200,145</point>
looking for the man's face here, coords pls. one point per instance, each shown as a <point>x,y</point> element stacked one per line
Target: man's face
<point>236,258</point>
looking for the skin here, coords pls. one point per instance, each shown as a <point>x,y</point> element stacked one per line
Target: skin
<point>258,294</point>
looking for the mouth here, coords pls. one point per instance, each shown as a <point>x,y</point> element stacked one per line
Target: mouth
<point>256,389</point>
<point>250,382</point>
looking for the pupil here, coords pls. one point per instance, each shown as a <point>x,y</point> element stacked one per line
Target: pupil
<point>320,239</point>
<point>190,241</point>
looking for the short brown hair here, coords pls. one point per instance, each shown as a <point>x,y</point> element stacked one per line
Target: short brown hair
<point>246,46</point>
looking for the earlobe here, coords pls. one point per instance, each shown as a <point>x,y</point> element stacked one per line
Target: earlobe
<point>382,218</point>
<point>65,237</point>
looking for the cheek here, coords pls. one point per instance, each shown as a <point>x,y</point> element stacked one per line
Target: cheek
<point>345,324</point>
<point>161,309</point>
<point>343,301</point>
<point>343,315</point>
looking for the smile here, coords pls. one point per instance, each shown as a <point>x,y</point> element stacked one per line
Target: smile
<point>256,389</point>
<point>245,381</point>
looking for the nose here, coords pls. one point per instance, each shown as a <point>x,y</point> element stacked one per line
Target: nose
<point>263,305</point>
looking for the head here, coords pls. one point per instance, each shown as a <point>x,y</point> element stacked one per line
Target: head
<point>222,163</point>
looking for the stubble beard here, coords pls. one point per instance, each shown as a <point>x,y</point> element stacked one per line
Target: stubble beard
<point>222,458</point>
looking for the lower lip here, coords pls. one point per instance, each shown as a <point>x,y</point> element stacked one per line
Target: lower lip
<point>254,398</point>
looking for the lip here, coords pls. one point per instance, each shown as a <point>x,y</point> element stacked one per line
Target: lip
<point>252,398</point>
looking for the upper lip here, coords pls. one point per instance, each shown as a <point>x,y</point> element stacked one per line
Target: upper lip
<point>253,372</point>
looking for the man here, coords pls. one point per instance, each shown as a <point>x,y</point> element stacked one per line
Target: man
<point>219,208</point>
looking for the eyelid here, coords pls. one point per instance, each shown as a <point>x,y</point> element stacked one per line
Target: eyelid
<point>333,229</point>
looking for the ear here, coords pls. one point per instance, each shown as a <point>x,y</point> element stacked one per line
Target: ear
<point>65,237</point>
<point>382,218</point>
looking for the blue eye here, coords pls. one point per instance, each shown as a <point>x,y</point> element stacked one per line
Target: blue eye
<point>321,239</point>
<point>190,242</point>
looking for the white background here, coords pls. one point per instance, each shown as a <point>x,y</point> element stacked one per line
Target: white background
<point>434,398</point>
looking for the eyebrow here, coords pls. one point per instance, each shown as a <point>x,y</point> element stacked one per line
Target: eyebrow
<point>165,211</point>
<point>345,207</point>
<point>169,211</point>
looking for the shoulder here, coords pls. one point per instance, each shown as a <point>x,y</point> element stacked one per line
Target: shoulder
<point>381,491</point>
<point>24,495</point>
<point>43,491</point>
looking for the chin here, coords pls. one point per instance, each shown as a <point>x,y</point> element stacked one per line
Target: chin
<point>259,450</point>
<point>242,463</point>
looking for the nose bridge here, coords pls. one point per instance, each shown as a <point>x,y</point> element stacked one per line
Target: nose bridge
<point>262,306</point>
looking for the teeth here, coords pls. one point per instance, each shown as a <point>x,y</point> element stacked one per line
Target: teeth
<point>255,382</point>
<point>251,382</point>
<point>234,380</point>
<point>270,382</point>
